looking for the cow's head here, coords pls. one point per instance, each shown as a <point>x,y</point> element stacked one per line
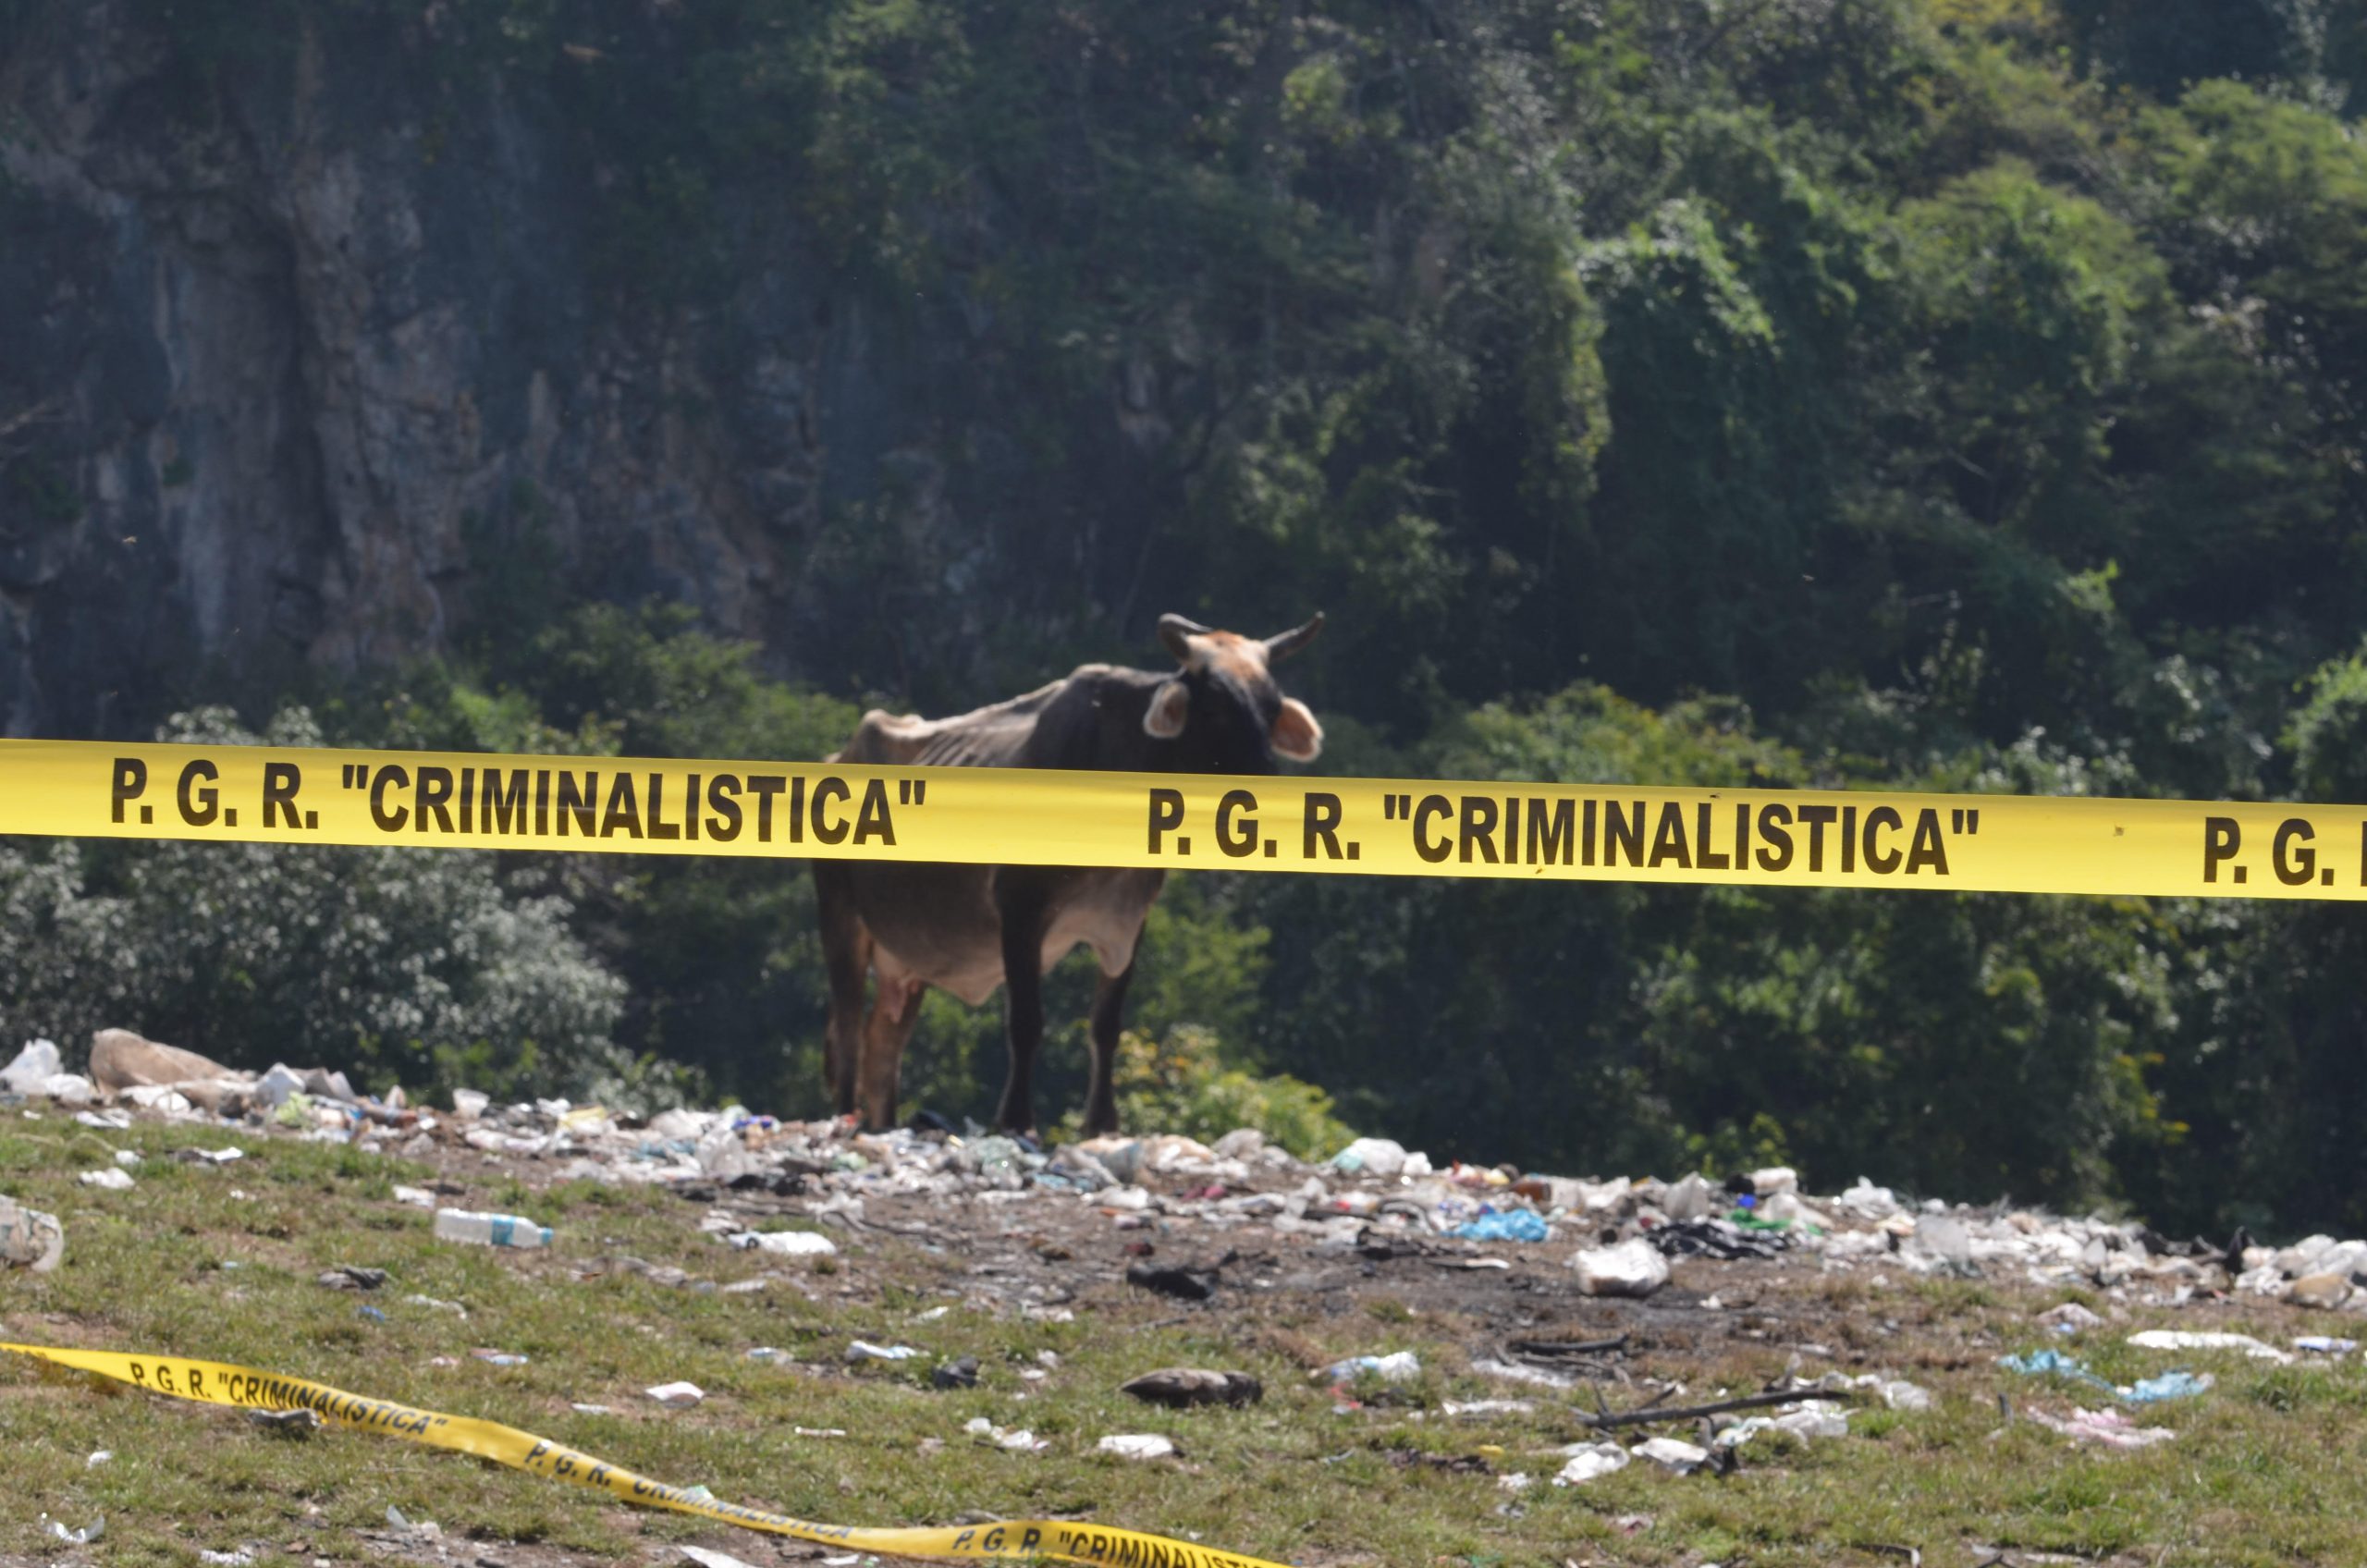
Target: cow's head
<point>1223,705</point>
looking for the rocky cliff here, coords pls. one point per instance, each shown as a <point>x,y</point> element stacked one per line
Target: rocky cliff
<point>307,357</point>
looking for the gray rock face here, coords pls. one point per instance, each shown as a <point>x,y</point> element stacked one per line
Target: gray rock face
<point>325,374</point>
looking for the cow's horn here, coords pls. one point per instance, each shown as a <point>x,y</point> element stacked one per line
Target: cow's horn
<point>1284,644</point>
<point>1177,633</point>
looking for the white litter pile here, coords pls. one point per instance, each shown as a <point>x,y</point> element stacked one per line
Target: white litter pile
<point>1619,1235</point>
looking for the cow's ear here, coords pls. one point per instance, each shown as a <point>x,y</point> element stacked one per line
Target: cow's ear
<point>1295,734</point>
<point>1169,705</point>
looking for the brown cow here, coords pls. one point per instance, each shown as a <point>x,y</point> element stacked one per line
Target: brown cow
<point>969,929</point>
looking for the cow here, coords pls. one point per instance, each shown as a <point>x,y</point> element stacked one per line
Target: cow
<point>969,929</point>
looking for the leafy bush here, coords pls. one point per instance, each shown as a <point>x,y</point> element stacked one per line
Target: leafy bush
<point>1185,1084</point>
<point>397,965</point>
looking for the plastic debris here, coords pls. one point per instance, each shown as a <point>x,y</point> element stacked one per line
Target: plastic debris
<point>1021,1441</point>
<point>2321,1346</point>
<point>32,1067</point>
<point>1371,1157</point>
<point>2109,1428</point>
<point>113,1177</point>
<point>708,1559</point>
<point>1631,1268</point>
<point>490,1230</point>
<point>863,1350</point>
<point>98,1457</point>
<point>1673,1454</point>
<point>352,1277</point>
<point>1178,1387</point>
<point>675,1395</point>
<point>2150,1390</point>
<point>1136,1445</point>
<point>84,1537</point>
<point>29,1239</point>
<point>1399,1366</point>
<point>1815,1418</point>
<point>1590,1461</point>
<point>1512,1225</point>
<point>501,1357</point>
<point>784,1244</point>
<point>2180,1339</point>
<point>959,1374</point>
<point>2069,1317</point>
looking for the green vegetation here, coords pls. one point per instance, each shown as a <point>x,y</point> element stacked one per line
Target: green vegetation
<point>1950,392</point>
<point>221,1264</point>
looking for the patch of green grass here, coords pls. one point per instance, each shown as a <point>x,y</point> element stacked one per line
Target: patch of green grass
<point>221,1263</point>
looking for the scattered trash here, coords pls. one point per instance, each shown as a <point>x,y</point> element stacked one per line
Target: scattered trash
<point>433,1304</point>
<point>210,1156</point>
<point>1590,1461</point>
<point>1022,1441</point>
<point>821,1432</point>
<point>785,1244</point>
<point>1372,1156</point>
<point>1899,1394</point>
<point>29,1239</point>
<point>113,1177</point>
<point>2070,1318</point>
<point>2320,1345</point>
<point>418,1197</point>
<point>591,1410</point>
<point>1631,1268</point>
<point>1182,1284</point>
<point>961,1374</point>
<point>291,1424</point>
<point>1178,1387</point>
<point>490,1230</point>
<point>2180,1339</point>
<point>1489,1408</point>
<point>239,1558</point>
<point>1721,1239</point>
<point>707,1559</point>
<point>84,1537</point>
<point>1509,1225</point>
<point>863,1349</point>
<point>351,1276</point>
<point>1136,1445</point>
<point>33,1067</point>
<point>2148,1391</point>
<point>98,1458</point>
<point>1673,1454</point>
<point>2109,1428</point>
<point>501,1357</point>
<point>1940,1245</point>
<point>675,1395</point>
<point>1399,1367</point>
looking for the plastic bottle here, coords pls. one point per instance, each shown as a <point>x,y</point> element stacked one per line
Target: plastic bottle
<point>491,1230</point>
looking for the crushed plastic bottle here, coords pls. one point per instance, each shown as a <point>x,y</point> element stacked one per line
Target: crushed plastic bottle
<point>490,1230</point>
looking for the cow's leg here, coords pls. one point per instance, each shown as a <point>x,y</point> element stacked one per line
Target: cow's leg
<point>846,958</point>
<point>1109,1004</point>
<point>885,1035</point>
<point>1022,990</point>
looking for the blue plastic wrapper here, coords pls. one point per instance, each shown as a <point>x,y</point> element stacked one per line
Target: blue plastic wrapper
<point>2148,1391</point>
<point>1512,1225</point>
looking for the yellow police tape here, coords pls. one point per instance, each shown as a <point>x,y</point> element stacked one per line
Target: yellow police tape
<point>215,1383</point>
<point>1582,832</point>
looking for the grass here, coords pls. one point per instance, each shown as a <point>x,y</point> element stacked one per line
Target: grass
<point>221,1263</point>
